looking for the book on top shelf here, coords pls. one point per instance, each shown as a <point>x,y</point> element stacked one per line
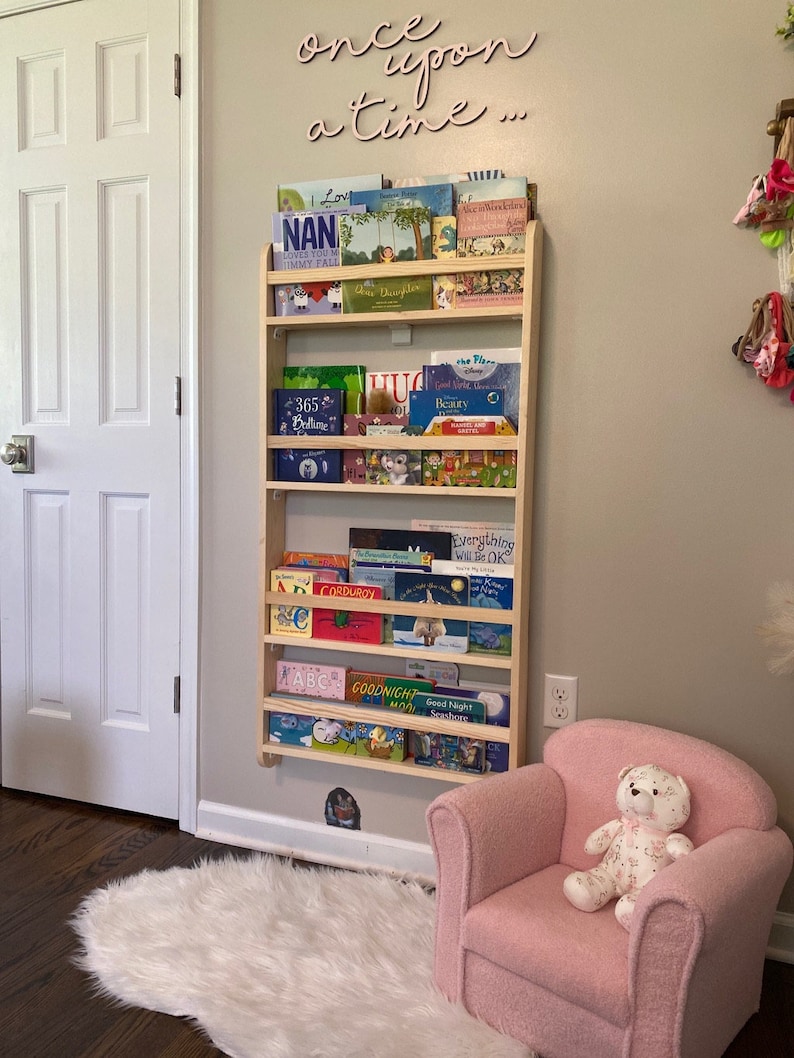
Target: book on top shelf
<point>448,178</point>
<point>490,229</point>
<point>325,193</point>
<point>307,239</point>
<point>490,190</point>
<point>386,237</point>
<point>435,197</point>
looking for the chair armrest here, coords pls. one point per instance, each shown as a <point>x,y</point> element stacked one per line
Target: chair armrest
<point>698,939</point>
<point>485,836</point>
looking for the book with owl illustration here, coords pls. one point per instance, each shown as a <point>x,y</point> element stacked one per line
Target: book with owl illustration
<point>429,630</point>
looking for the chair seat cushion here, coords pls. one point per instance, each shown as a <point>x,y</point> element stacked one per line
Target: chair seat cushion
<point>530,929</point>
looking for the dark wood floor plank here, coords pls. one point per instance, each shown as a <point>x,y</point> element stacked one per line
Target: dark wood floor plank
<point>53,853</point>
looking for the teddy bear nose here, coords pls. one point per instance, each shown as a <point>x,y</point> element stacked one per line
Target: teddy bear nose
<point>634,791</point>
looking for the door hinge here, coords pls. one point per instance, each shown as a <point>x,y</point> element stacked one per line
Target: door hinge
<point>177,75</point>
<point>177,694</point>
<point>177,395</point>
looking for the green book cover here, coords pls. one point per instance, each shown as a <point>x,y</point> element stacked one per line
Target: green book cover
<point>401,294</point>
<point>349,377</point>
<point>385,236</point>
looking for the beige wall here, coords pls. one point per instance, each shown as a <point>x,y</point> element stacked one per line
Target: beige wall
<point>664,500</point>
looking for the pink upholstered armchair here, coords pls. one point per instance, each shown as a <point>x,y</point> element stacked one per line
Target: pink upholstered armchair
<point>569,984</point>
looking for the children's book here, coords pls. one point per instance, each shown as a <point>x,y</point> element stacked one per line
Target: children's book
<point>307,239</point>
<point>311,412</point>
<point>383,578</point>
<point>424,406</point>
<point>444,706</point>
<point>326,193</point>
<point>431,631</point>
<point>438,543</point>
<point>347,377</point>
<point>490,542</point>
<point>448,751</point>
<point>290,618</point>
<point>291,729</point>
<point>470,468</point>
<point>446,672</point>
<point>381,742</point>
<point>497,706</point>
<point>391,466</point>
<point>490,587</point>
<point>476,361</point>
<point>399,558</point>
<point>504,376</point>
<point>489,229</point>
<point>383,689</point>
<point>334,736</point>
<point>350,626</point>
<point>386,237</point>
<point>435,197</point>
<point>444,241</point>
<point>448,178</point>
<point>489,289</point>
<point>354,463</point>
<point>316,681</point>
<point>488,190</point>
<point>316,558</point>
<point>397,384</point>
<point>470,426</point>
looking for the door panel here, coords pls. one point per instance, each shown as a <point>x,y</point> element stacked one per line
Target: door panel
<point>89,348</point>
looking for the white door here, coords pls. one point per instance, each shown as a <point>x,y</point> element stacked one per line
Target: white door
<point>89,351</point>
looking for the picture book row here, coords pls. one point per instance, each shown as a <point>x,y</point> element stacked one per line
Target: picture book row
<point>429,690</point>
<point>460,393</point>
<point>365,219</point>
<point>420,565</point>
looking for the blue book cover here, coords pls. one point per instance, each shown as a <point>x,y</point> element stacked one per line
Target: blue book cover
<point>431,631</point>
<point>307,239</point>
<point>504,376</point>
<point>308,412</point>
<point>425,405</point>
<point>497,712</point>
<point>490,587</point>
<point>436,197</point>
<point>446,704</point>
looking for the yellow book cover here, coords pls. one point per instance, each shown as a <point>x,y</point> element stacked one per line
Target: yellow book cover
<point>291,619</point>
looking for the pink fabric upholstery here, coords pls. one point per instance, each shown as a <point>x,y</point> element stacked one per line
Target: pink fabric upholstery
<point>686,977</point>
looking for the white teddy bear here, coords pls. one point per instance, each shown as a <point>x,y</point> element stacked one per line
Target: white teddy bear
<point>652,804</point>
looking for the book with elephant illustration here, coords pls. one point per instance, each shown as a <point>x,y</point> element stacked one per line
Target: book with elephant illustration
<point>431,631</point>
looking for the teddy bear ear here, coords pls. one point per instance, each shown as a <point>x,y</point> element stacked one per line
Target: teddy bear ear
<point>684,787</point>
<point>624,772</point>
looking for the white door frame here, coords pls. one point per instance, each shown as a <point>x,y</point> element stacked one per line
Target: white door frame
<point>189,370</point>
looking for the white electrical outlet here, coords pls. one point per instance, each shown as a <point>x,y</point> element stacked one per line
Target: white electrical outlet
<point>560,698</point>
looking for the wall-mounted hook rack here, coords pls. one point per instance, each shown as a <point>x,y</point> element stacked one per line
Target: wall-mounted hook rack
<point>784,109</point>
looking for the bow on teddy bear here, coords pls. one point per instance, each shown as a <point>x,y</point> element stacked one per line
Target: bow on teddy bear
<point>636,846</point>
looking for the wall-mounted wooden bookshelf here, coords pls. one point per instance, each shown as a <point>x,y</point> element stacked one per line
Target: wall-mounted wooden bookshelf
<point>365,500</point>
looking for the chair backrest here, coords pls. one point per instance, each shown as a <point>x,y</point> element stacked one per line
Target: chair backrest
<point>589,755</point>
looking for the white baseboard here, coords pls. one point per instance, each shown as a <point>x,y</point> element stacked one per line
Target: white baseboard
<point>357,850</point>
<point>781,939</point>
<point>315,842</point>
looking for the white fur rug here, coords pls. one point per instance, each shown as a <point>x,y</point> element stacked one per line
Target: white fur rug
<point>276,961</point>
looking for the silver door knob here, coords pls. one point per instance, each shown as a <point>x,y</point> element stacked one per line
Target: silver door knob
<point>18,454</point>
<point>11,453</point>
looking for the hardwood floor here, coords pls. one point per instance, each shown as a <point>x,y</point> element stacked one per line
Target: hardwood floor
<point>52,853</point>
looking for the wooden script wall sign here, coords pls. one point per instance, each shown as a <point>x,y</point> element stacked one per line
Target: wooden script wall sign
<point>368,122</point>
